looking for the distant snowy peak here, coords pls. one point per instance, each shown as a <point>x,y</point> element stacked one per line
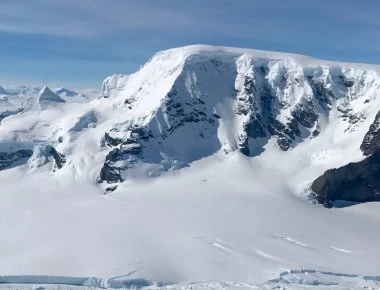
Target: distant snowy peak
<point>22,90</point>
<point>3,91</point>
<point>46,96</point>
<point>64,92</point>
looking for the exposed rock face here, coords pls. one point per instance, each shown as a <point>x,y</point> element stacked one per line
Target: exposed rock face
<point>59,158</point>
<point>371,141</point>
<point>265,94</point>
<point>8,113</point>
<point>111,141</point>
<point>10,159</point>
<point>305,114</point>
<point>355,182</point>
<point>249,107</point>
<point>111,170</point>
<point>123,155</point>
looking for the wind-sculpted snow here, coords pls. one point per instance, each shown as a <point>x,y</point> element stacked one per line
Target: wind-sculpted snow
<point>61,282</point>
<point>87,120</point>
<point>113,85</point>
<point>292,280</point>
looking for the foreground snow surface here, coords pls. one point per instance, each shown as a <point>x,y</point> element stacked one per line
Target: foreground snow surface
<point>295,279</point>
<point>221,219</point>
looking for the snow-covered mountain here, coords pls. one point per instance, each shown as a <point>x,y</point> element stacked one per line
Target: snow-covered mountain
<point>236,137</point>
<point>189,103</point>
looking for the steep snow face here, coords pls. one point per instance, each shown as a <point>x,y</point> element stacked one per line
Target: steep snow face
<point>113,84</point>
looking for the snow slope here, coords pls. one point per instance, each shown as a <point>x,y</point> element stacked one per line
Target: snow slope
<point>206,155</point>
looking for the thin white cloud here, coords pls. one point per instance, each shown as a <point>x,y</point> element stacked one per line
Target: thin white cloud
<point>230,18</point>
<point>87,18</point>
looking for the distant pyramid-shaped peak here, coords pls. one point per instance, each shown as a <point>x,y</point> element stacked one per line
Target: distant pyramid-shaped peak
<point>3,91</point>
<point>47,95</point>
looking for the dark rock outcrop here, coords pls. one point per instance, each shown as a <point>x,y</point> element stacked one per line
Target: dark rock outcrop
<point>110,173</point>
<point>123,155</point>
<point>8,113</point>
<point>247,106</point>
<point>181,112</point>
<point>59,158</point>
<point>117,160</point>
<point>355,182</point>
<point>305,114</point>
<point>11,159</point>
<point>322,94</point>
<point>371,141</point>
<point>257,101</point>
<point>111,141</point>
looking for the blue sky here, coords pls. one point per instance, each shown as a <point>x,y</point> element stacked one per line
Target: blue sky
<point>79,42</point>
